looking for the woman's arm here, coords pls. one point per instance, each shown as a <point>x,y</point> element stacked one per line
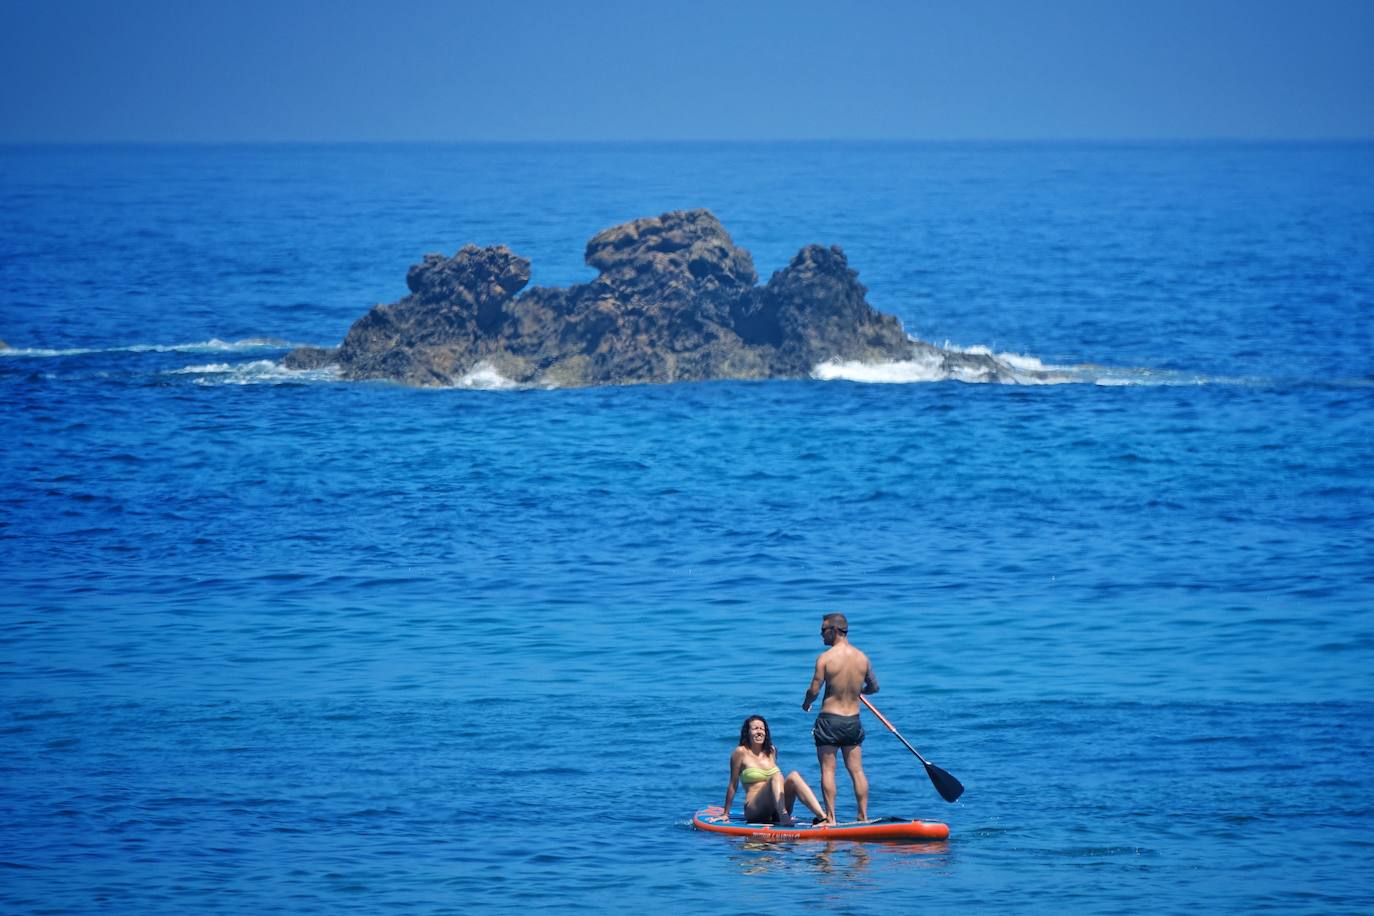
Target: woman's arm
<point>736,759</point>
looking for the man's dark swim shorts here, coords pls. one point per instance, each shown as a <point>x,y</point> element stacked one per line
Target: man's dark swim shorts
<point>838,731</point>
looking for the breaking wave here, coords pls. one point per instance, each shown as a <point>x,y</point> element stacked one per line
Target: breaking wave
<point>484,376</point>
<point>256,372</point>
<point>926,365</point>
<point>213,345</point>
<point>1000,368</point>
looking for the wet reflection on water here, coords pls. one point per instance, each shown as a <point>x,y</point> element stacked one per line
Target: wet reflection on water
<point>840,858</point>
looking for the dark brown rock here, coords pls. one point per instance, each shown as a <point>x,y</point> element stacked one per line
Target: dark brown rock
<point>675,300</point>
<point>822,315</point>
<point>311,357</point>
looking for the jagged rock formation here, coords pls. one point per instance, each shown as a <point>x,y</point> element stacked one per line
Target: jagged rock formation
<point>675,300</point>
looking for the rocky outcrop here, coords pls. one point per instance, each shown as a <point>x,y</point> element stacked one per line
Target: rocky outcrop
<point>675,300</point>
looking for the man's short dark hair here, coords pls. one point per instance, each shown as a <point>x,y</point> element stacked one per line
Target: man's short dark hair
<point>838,622</point>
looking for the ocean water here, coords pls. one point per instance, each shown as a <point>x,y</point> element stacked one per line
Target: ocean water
<point>270,641</point>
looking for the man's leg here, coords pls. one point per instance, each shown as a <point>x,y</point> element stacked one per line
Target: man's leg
<point>825,753</point>
<point>854,763</point>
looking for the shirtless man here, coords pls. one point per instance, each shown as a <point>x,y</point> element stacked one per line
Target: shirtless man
<point>846,673</point>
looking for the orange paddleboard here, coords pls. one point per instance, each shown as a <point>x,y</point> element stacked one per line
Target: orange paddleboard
<point>887,829</point>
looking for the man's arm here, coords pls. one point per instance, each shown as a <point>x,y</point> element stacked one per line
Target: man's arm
<point>870,681</point>
<point>814,690</point>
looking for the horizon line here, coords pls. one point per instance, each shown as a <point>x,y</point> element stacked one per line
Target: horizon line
<point>699,141</point>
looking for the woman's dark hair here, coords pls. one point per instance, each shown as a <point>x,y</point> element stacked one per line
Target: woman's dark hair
<point>767,735</point>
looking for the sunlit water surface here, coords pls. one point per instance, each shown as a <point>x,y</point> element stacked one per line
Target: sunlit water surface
<point>272,641</point>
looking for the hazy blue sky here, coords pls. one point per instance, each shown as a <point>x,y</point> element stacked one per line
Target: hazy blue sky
<point>244,70</point>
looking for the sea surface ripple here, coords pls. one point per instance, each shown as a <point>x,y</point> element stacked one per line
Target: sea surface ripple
<point>274,641</point>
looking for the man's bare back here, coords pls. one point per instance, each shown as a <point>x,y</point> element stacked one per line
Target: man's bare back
<point>846,673</point>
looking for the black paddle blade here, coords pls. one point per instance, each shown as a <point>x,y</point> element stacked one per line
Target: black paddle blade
<point>949,788</point>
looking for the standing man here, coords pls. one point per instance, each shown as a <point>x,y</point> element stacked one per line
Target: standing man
<point>846,673</point>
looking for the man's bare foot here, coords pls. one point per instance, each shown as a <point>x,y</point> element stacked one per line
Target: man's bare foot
<point>822,821</point>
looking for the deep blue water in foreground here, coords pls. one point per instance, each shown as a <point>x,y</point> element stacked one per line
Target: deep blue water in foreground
<point>271,641</point>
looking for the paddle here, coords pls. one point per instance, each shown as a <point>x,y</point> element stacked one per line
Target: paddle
<point>949,788</point>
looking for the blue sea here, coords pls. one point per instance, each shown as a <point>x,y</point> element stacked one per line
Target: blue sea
<point>275,642</point>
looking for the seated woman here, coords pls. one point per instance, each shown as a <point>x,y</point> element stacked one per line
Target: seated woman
<point>768,795</point>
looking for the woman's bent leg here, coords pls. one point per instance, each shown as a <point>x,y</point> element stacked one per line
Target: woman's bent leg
<point>796,787</point>
<point>778,786</point>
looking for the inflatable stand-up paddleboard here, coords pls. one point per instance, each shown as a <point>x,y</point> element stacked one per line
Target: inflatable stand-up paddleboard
<point>887,829</point>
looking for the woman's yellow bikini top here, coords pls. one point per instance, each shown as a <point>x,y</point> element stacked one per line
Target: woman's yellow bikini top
<point>757,774</point>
